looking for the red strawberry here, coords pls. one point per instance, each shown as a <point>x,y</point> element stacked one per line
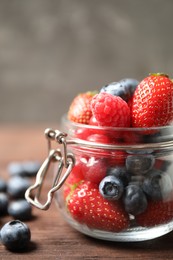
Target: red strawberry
<point>95,170</point>
<point>75,178</point>
<point>157,212</point>
<point>116,158</point>
<point>99,138</point>
<point>88,207</point>
<point>93,121</point>
<point>80,110</point>
<point>152,103</point>
<point>82,133</point>
<point>110,110</point>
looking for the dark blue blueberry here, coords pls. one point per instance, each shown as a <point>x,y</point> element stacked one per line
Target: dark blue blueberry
<point>111,188</point>
<point>119,172</point>
<point>15,168</point>
<point>31,168</point>
<point>3,203</point>
<point>137,179</point>
<point>24,169</point>
<point>135,201</point>
<point>15,235</point>
<point>157,185</point>
<point>16,186</point>
<point>123,88</point>
<point>20,209</point>
<point>3,185</point>
<point>139,164</point>
<point>144,152</point>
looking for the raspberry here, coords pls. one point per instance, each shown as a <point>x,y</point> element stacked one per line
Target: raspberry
<point>110,110</point>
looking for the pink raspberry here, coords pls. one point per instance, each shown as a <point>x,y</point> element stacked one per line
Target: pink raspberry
<point>110,110</point>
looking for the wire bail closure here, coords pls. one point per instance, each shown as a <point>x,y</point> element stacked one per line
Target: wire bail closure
<point>64,160</point>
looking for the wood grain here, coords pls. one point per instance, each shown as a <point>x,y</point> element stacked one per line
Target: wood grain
<point>52,237</point>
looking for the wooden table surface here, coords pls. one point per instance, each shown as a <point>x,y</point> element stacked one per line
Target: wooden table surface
<point>52,237</point>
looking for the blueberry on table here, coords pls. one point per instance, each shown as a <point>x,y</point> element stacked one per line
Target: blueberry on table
<point>20,209</point>
<point>123,88</point>
<point>15,168</point>
<point>16,186</point>
<point>24,169</point>
<point>3,185</point>
<point>15,235</point>
<point>31,168</point>
<point>111,188</point>
<point>139,164</point>
<point>157,185</point>
<point>135,201</point>
<point>3,203</point>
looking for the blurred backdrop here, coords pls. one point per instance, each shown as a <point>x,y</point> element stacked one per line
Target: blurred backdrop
<point>50,50</point>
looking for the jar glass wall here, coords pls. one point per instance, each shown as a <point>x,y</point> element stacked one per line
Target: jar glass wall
<point>121,187</point>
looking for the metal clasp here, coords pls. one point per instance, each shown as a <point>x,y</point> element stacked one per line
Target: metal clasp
<point>65,162</point>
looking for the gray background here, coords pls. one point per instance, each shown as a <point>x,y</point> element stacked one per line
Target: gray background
<point>50,50</point>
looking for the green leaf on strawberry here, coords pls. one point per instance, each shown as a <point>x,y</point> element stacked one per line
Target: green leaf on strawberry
<point>75,178</point>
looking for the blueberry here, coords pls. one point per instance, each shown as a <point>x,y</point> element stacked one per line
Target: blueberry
<point>111,187</point>
<point>135,200</point>
<point>119,172</point>
<point>124,88</point>
<point>15,168</point>
<point>157,185</point>
<point>144,152</point>
<point>31,168</point>
<point>3,185</point>
<point>20,209</point>
<point>17,186</point>
<point>139,164</point>
<point>15,235</point>
<point>24,169</point>
<point>3,203</point>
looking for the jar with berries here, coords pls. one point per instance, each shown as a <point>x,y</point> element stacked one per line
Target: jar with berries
<point>115,174</point>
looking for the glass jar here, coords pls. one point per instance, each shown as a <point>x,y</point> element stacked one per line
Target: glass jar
<point>121,185</point>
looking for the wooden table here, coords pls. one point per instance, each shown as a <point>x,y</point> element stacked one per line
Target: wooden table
<point>52,237</point>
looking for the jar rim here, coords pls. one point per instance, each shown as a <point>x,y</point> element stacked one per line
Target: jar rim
<point>165,142</point>
<point>136,129</point>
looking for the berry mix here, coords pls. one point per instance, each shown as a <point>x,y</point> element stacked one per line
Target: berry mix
<point>112,190</point>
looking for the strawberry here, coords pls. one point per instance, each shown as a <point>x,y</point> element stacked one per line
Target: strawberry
<point>80,110</point>
<point>82,133</point>
<point>152,103</point>
<point>93,121</point>
<point>75,178</point>
<point>99,138</point>
<point>95,170</point>
<point>116,158</point>
<point>87,206</point>
<point>157,212</point>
